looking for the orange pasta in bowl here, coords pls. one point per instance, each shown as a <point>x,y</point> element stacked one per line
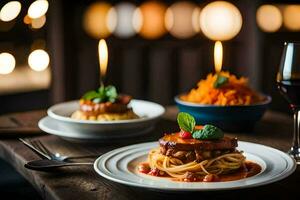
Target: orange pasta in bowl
<point>222,89</point>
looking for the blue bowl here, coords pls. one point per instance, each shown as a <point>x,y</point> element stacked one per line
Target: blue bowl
<point>240,118</point>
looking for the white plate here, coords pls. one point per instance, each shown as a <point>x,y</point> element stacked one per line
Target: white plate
<point>146,110</point>
<point>120,165</point>
<point>55,127</point>
<point>59,122</point>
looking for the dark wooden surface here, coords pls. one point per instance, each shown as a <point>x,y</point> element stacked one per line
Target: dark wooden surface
<point>83,183</point>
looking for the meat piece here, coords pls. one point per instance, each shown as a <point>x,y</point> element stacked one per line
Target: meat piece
<point>90,108</point>
<point>175,142</point>
<point>189,177</point>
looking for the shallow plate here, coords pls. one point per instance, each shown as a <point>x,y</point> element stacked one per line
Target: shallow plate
<point>149,113</point>
<point>120,165</point>
<point>54,127</point>
<point>146,110</point>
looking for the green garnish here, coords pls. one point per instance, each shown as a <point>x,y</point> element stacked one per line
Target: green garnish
<point>220,81</point>
<point>187,123</point>
<point>90,95</point>
<point>103,94</point>
<point>209,132</point>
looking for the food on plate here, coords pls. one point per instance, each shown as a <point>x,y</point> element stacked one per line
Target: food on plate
<point>198,153</point>
<point>104,104</point>
<point>223,89</point>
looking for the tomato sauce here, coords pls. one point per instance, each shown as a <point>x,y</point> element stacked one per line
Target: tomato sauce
<point>248,170</point>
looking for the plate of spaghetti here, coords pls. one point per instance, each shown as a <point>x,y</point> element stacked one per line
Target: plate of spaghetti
<point>226,101</point>
<point>197,158</point>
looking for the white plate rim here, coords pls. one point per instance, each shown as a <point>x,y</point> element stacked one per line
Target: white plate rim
<point>43,127</point>
<point>68,119</point>
<point>285,173</point>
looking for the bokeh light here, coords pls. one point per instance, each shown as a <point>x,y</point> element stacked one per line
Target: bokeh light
<point>111,20</point>
<point>268,18</point>
<point>27,20</point>
<point>10,11</point>
<point>153,14</point>
<point>95,20</point>
<point>291,17</point>
<point>7,63</point>
<point>137,20</point>
<point>220,20</point>
<point>179,19</point>
<point>121,20</point>
<point>38,8</point>
<point>38,22</point>
<point>195,19</point>
<point>38,60</point>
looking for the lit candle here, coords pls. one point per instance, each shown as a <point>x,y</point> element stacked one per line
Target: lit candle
<point>218,56</point>
<point>103,59</point>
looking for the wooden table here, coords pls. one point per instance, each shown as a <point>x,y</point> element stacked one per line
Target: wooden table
<point>83,183</point>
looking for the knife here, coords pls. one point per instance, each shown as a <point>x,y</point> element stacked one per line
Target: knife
<point>44,165</point>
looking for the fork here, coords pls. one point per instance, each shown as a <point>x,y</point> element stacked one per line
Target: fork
<point>44,152</point>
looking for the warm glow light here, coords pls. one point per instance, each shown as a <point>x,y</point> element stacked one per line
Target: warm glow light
<point>291,17</point>
<point>7,63</point>
<point>137,20</point>
<point>269,18</point>
<point>153,14</point>
<point>179,19</point>
<point>112,19</point>
<point>38,8</point>
<point>103,57</point>
<point>38,60</point>
<point>220,20</point>
<point>218,56</point>
<point>38,22</point>
<point>121,19</point>
<point>10,11</point>
<point>27,20</point>
<point>95,20</point>
<point>195,19</point>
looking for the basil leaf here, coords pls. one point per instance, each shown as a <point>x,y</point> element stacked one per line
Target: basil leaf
<point>209,132</point>
<point>97,100</point>
<point>101,90</point>
<point>220,81</point>
<point>186,121</point>
<point>103,94</point>
<point>90,95</point>
<point>111,93</point>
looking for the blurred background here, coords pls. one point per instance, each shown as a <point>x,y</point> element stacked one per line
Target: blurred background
<point>157,49</point>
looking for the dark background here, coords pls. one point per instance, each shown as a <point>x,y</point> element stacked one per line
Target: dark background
<point>156,70</point>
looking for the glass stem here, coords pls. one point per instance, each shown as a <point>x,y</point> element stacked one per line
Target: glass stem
<point>296,130</point>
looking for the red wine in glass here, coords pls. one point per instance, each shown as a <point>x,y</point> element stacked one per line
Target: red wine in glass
<point>290,89</point>
<point>288,83</point>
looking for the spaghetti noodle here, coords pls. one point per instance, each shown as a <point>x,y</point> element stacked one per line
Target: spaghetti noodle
<point>175,168</point>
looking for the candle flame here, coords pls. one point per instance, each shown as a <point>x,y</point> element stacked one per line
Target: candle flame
<point>103,57</point>
<point>218,56</point>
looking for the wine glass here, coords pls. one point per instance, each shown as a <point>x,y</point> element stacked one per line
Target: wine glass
<point>288,83</point>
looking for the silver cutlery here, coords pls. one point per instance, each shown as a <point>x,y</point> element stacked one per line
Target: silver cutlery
<point>44,164</point>
<point>37,151</point>
<point>39,148</point>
